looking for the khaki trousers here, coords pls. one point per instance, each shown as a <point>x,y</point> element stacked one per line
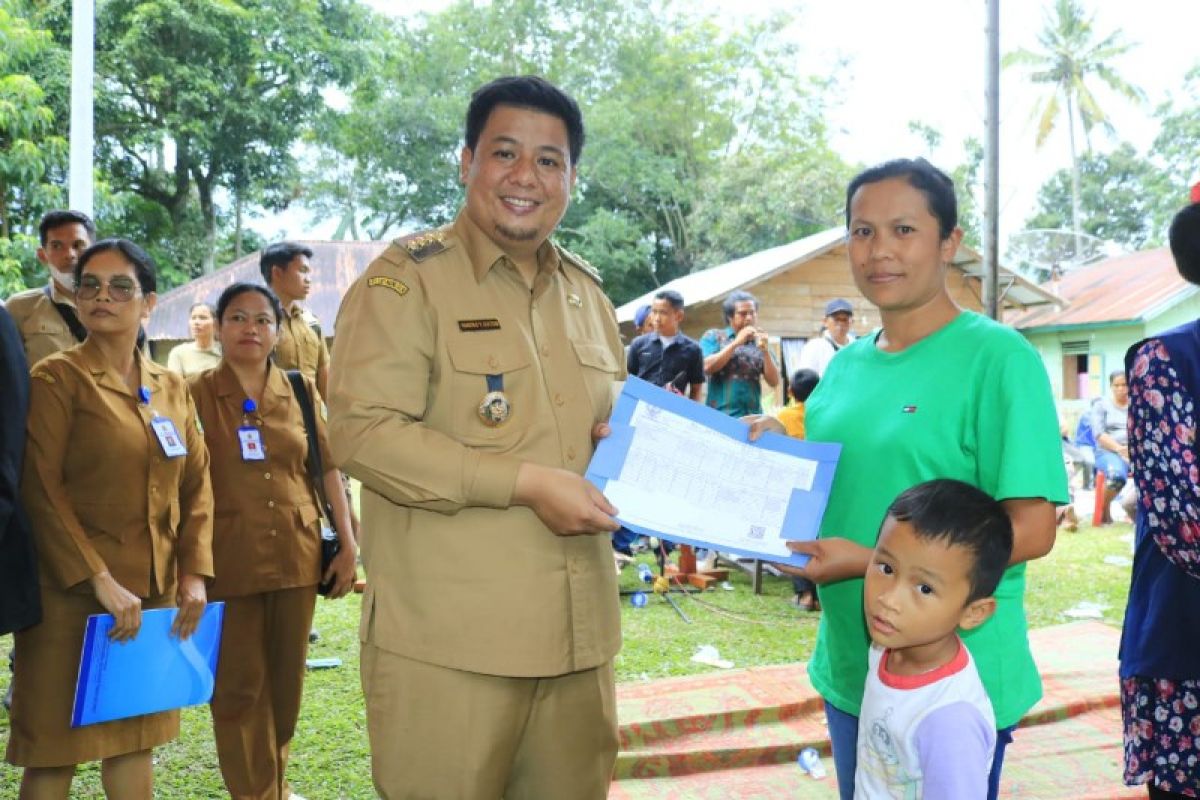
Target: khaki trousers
<point>260,680</point>
<point>451,735</point>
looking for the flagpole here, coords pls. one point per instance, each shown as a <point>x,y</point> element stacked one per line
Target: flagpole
<point>82,135</point>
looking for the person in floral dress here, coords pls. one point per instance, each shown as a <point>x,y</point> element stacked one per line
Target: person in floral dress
<point>1160,656</point>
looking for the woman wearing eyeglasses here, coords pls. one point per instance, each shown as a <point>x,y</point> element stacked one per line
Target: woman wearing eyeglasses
<point>116,486</point>
<point>266,545</point>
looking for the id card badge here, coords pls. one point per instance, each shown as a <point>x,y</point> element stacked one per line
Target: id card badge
<point>168,437</point>
<point>251,441</point>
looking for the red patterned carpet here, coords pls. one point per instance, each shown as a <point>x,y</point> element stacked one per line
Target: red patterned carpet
<point>736,734</point>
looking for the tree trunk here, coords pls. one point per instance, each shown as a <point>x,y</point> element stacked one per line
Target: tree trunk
<point>208,212</point>
<point>1076,225</point>
<point>237,234</point>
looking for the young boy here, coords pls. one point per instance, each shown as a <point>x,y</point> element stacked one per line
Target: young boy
<point>926,727</point>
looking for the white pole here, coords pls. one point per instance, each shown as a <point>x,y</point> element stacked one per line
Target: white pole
<point>83,46</point>
<point>991,167</point>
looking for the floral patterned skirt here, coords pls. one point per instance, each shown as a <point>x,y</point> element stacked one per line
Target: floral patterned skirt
<point>1162,733</point>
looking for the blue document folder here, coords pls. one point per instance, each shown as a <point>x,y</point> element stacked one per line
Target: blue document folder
<point>154,671</point>
<point>804,509</point>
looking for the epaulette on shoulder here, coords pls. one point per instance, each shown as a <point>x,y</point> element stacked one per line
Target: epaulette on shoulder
<point>580,263</point>
<point>424,245</point>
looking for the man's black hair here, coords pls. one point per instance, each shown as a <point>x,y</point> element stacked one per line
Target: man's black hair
<point>731,303</point>
<point>1185,243</point>
<point>961,515</point>
<point>525,91</point>
<point>922,176</point>
<point>53,219</point>
<point>280,255</point>
<point>674,298</point>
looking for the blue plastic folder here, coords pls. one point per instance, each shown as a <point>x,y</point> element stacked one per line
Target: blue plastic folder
<point>802,518</point>
<point>152,672</point>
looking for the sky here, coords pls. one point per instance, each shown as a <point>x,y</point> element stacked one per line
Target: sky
<point>924,60</point>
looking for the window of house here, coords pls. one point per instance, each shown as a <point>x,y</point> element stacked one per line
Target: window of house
<point>1081,372</point>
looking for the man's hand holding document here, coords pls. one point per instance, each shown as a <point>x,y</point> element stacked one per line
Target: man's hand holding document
<point>685,472</point>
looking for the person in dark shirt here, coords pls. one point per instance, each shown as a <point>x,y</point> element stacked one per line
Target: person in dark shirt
<point>665,353</point>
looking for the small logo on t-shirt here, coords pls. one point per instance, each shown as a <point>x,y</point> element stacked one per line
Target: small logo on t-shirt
<point>908,410</point>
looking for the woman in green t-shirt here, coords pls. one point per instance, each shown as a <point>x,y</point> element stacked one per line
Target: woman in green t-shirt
<point>936,392</point>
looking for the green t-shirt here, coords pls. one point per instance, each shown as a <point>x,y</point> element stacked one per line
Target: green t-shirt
<point>971,401</point>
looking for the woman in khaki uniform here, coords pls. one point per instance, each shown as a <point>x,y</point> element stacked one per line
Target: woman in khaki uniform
<point>122,519</point>
<point>266,545</point>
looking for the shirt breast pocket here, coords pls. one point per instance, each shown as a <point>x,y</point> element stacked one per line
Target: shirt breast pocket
<point>599,369</point>
<point>474,360</point>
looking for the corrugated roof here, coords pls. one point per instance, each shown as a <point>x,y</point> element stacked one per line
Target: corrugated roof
<point>1128,288</point>
<point>335,265</point>
<point>712,284</point>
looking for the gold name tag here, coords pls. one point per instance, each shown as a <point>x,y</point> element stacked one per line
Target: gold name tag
<point>479,324</point>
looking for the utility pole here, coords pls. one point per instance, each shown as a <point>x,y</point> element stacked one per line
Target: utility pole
<point>83,134</point>
<point>991,166</point>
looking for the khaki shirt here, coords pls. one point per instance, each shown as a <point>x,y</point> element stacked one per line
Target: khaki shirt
<point>266,531</point>
<point>298,346</point>
<point>456,575</point>
<point>100,492</point>
<point>43,331</point>
<point>188,359</point>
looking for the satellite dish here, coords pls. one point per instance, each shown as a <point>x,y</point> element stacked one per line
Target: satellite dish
<point>1041,253</point>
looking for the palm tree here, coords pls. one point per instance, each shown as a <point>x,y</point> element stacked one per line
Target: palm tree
<point>1069,58</point>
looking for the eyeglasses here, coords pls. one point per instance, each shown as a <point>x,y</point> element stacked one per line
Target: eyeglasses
<point>120,289</point>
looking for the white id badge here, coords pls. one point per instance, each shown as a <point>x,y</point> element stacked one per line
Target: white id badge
<point>168,437</point>
<point>251,442</point>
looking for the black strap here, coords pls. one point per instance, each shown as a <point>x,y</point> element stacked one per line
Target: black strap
<point>315,471</point>
<point>68,316</point>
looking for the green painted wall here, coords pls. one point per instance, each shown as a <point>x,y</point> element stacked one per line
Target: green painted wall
<point>1109,343</point>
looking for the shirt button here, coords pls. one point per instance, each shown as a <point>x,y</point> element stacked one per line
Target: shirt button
<point>493,361</point>
<point>570,453</point>
<point>273,531</point>
<point>558,399</point>
<point>546,350</point>
<point>270,504</point>
<point>267,475</point>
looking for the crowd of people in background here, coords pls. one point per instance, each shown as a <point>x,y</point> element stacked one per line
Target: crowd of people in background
<point>470,382</point>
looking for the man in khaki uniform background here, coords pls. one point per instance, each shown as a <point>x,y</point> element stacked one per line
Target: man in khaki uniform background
<point>46,316</point>
<point>473,365</point>
<point>286,269</point>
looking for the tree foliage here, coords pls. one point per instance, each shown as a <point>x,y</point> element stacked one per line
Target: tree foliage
<point>1069,62</point>
<point>1178,140</point>
<point>703,143</point>
<point>1124,198</point>
<point>200,97</point>
<point>31,144</point>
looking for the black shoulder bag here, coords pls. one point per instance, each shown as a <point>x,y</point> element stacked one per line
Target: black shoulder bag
<point>329,540</point>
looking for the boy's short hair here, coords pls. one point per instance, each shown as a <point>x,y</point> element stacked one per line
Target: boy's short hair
<point>962,516</point>
<point>280,255</point>
<point>674,298</point>
<point>803,382</point>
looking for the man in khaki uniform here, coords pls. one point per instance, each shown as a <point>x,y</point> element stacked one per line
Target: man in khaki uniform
<point>473,365</point>
<point>46,316</point>
<point>286,269</point>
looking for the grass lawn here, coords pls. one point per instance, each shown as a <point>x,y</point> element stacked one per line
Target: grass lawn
<point>330,758</point>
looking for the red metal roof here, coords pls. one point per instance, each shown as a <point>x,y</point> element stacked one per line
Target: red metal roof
<point>335,265</point>
<point>1127,288</point>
